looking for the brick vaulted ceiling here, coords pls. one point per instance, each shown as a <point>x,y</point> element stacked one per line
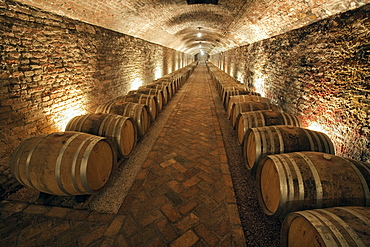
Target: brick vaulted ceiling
<point>175,23</point>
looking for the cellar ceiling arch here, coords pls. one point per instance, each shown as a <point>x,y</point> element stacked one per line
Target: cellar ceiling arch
<point>223,24</point>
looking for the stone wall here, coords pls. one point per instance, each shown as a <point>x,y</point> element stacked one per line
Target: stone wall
<point>53,68</point>
<point>320,72</point>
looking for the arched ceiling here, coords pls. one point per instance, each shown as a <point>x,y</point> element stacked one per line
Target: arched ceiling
<point>175,23</point>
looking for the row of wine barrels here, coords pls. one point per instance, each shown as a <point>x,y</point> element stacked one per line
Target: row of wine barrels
<point>262,141</point>
<point>80,160</point>
<point>335,226</point>
<point>64,163</point>
<point>308,180</point>
<point>324,199</point>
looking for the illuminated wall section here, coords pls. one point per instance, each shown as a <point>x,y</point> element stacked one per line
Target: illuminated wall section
<point>320,73</point>
<point>54,68</point>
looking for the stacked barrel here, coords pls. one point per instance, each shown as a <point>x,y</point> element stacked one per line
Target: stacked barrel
<point>323,199</point>
<point>80,160</point>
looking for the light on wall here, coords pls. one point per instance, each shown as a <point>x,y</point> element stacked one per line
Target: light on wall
<point>136,84</point>
<point>63,112</point>
<point>259,84</point>
<point>317,127</point>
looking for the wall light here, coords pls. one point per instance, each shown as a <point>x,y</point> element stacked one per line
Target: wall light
<point>199,35</point>
<point>317,127</point>
<point>136,84</point>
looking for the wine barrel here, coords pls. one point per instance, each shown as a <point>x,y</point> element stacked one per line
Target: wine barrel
<point>247,120</point>
<point>119,129</point>
<point>64,163</point>
<point>171,86</point>
<point>227,91</point>
<point>223,85</point>
<point>308,180</point>
<point>236,92</point>
<point>155,92</point>
<point>230,91</point>
<point>239,107</point>
<point>163,88</point>
<point>337,226</point>
<point>244,98</point>
<point>136,111</point>
<point>149,100</point>
<point>262,141</point>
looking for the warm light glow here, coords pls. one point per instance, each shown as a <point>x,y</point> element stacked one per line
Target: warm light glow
<point>136,84</point>
<point>259,84</point>
<point>201,52</point>
<point>317,127</point>
<point>239,76</point>
<point>158,72</point>
<point>62,118</point>
<point>200,46</point>
<point>199,35</point>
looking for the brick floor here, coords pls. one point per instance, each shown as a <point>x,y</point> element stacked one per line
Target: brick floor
<point>183,196</point>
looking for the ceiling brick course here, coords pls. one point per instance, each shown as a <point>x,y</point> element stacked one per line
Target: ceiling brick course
<point>174,24</point>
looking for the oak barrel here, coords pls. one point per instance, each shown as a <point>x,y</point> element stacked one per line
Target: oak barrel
<point>119,129</point>
<point>244,98</point>
<point>239,107</point>
<point>262,141</point>
<point>338,226</point>
<point>158,93</point>
<point>163,88</point>
<point>64,163</point>
<point>247,120</point>
<point>136,111</point>
<point>308,180</point>
<point>236,92</point>
<point>170,85</point>
<point>149,100</point>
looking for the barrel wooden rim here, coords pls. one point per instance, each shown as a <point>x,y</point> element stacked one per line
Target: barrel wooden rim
<point>240,129</point>
<point>268,187</point>
<point>252,149</point>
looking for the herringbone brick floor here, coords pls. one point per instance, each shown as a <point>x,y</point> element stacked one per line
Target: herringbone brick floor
<point>183,196</point>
